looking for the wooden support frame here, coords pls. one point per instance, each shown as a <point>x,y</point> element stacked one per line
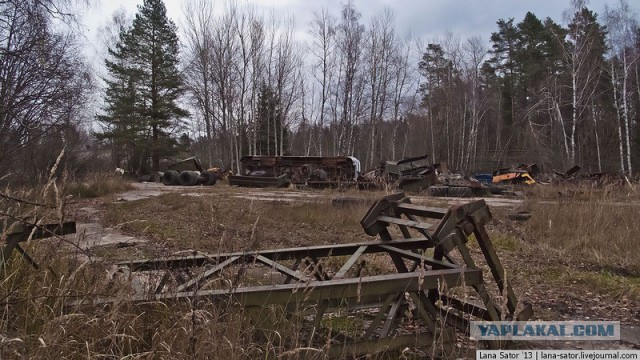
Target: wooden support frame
<point>19,232</point>
<point>315,279</point>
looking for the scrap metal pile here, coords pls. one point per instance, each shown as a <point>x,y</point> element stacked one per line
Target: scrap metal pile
<point>434,285</point>
<point>312,171</point>
<point>413,174</point>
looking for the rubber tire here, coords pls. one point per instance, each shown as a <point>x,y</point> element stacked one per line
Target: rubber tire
<point>209,178</point>
<point>189,178</point>
<point>171,177</point>
<point>319,175</point>
<point>460,191</point>
<point>438,191</point>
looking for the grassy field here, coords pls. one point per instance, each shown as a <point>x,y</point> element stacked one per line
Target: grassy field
<point>574,259</point>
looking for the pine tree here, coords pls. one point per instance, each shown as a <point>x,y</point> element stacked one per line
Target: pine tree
<point>269,122</point>
<point>503,68</point>
<point>142,113</point>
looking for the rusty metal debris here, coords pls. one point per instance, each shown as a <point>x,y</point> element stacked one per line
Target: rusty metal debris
<point>311,171</point>
<point>572,176</point>
<point>432,268</point>
<point>15,232</point>
<point>412,174</point>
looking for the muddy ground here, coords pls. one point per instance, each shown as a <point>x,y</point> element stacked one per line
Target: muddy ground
<point>153,221</point>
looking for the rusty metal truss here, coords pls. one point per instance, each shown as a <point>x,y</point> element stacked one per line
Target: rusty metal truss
<point>426,248</point>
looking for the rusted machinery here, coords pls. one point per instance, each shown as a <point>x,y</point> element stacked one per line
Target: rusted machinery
<point>188,172</point>
<point>432,283</point>
<point>312,171</point>
<point>412,174</point>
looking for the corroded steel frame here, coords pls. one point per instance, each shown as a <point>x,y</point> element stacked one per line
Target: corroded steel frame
<point>429,255</point>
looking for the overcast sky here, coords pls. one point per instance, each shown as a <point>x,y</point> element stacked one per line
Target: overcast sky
<point>426,19</point>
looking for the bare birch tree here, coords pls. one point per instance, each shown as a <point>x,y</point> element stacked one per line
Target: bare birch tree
<point>622,24</point>
<point>322,30</point>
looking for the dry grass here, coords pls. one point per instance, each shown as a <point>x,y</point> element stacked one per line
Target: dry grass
<point>97,185</point>
<point>598,228</point>
<point>591,229</point>
<point>37,322</point>
<point>218,223</point>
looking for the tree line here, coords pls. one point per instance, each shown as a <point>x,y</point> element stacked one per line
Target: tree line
<point>541,92</point>
<point>229,83</point>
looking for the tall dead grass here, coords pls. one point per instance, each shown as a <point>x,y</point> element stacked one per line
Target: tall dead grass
<point>37,320</point>
<point>97,185</point>
<point>590,225</point>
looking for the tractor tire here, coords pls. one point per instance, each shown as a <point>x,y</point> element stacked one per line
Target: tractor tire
<point>438,191</point>
<point>306,170</point>
<point>171,177</point>
<point>460,191</point>
<point>209,178</point>
<point>189,178</point>
<point>319,175</point>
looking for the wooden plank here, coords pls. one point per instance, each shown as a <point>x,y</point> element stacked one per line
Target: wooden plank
<point>403,222</point>
<point>458,237</point>
<point>397,260</point>
<point>424,211</point>
<point>281,268</point>
<point>22,231</point>
<point>27,257</point>
<point>391,318</point>
<point>423,259</point>
<point>319,290</point>
<point>350,262</point>
<point>425,233</point>
<point>318,272</point>
<point>466,307</point>
<point>384,308</point>
<point>274,254</point>
<point>495,265</point>
<point>405,231</point>
<point>420,303</point>
<point>207,274</point>
<point>369,222</point>
<point>162,282</point>
<point>295,266</point>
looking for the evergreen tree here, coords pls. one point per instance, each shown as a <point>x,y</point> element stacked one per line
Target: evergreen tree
<point>142,114</point>
<point>269,122</point>
<point>534,41</point>
<point>502,67</point>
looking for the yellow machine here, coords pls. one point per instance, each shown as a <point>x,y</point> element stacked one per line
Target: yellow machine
<point>513,177</point>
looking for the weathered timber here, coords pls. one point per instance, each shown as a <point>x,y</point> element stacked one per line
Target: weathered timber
<point>317,290</point>
<point>21,231</point>
<point>279,255</point>
<point>321,278</point>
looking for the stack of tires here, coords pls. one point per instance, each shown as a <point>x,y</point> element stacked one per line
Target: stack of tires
<point>188,178</point>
